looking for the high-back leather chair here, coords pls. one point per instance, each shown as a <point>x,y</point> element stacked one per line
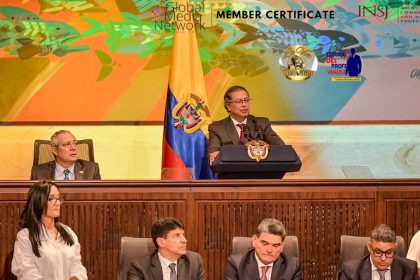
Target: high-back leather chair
<point>243,244</point>
<point>133,248</point>
<point>353,247</point>
<point>43,151</point>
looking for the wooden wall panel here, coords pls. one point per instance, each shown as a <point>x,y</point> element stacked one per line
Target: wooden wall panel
<point>404,216</point>
<point>318,212</point>
<point>9,226</point>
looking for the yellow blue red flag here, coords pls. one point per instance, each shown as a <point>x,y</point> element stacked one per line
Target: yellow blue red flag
<point>186,113</point>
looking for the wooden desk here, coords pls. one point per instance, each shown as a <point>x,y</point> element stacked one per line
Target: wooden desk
<point>316,211</point>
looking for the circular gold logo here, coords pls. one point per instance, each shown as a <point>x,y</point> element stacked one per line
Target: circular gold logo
<point>298,63</point>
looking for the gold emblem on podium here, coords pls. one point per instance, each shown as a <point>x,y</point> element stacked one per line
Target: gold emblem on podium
<point>258,152</point>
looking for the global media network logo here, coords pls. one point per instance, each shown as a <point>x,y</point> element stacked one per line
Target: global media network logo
<point>178,16</point>
<point>345,66</point>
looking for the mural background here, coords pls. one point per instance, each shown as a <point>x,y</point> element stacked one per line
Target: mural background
<point>106,61</point>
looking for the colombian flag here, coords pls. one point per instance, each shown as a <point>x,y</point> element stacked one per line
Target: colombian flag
<point>186,113</point>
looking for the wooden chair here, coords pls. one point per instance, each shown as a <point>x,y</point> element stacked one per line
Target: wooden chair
<point>133,248</point>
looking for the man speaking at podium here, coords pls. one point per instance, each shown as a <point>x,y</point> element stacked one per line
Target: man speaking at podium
<point>239,127</point>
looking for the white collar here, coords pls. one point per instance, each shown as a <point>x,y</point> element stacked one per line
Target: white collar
<point>260,263</point>
<point>235,122</point>
<point>61,169</point>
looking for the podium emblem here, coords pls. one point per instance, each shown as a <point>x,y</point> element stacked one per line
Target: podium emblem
<point>190,113</point>
<point>258,152</point>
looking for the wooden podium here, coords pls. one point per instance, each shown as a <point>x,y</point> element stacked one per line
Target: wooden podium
<point>233,162</point>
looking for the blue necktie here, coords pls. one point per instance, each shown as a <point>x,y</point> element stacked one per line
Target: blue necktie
<point>66,174</point>
<point>173,271</point>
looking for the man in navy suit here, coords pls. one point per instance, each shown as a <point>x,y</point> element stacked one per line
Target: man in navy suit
<point>381,263</point>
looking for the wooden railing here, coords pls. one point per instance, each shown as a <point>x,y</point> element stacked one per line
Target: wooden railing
<point>317,212</point>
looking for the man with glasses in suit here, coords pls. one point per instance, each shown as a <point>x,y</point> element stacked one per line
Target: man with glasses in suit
<point>67,165</point>
<point>381,263</point>
<point>234,129</point>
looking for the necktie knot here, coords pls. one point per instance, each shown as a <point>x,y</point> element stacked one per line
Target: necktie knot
<point>173,271</point>
<point>264,270</point>
<point>382,273</point>
<point>241,135</point>
<point>66,174</point>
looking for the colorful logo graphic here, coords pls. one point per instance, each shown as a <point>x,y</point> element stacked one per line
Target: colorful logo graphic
<point>345,66</point>
<point>298,63</point>
<point>191,113</point>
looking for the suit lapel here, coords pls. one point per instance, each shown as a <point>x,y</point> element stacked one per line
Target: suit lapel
<point>231,131</point>
<point>156,267</point>
<point>252,270</point>
<point>51,170</point>
<point>250,122</point>
<point>182,268</point>
<point>278,268</point>
<point>79,170</point>
<point>396,271</point>
<point>365,272</point>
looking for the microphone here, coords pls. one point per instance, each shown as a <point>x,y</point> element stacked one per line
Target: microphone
<point>260,132</point>
<point>247,133</point>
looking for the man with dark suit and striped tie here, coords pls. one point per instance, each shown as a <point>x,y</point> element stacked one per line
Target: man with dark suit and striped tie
<point>381,263</point>
<point>171,260</point>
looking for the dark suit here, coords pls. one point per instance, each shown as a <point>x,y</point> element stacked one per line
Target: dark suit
<point>189,267</point>
<point>245,267</point>
<point>361,269</point>
<point>223,132</point>
<point>83,170</point>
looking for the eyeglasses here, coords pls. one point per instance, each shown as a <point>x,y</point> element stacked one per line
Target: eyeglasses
<point>378,253</point>
<point>240,101</point>
<point>53,200</point>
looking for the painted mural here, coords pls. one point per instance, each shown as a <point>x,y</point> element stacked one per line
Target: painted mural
<point>108,60</point>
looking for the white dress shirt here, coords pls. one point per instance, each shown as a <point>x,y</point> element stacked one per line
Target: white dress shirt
<point>414,249</point>
<point>375,274</point>
<point>58,260</point>
<point>165,267</point>
<point>59,172</point>
<point>260,264</point>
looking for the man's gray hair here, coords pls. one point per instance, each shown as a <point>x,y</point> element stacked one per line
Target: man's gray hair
<point>54,141</point>
<point>383,233</point>
<point>271,226</point>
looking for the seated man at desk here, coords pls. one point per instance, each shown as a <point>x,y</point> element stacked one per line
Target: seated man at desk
<point>170,260</point>
<point>67,165</point>
<point>239,126</point>
<point>381,263</point>
<point>265,260</point>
